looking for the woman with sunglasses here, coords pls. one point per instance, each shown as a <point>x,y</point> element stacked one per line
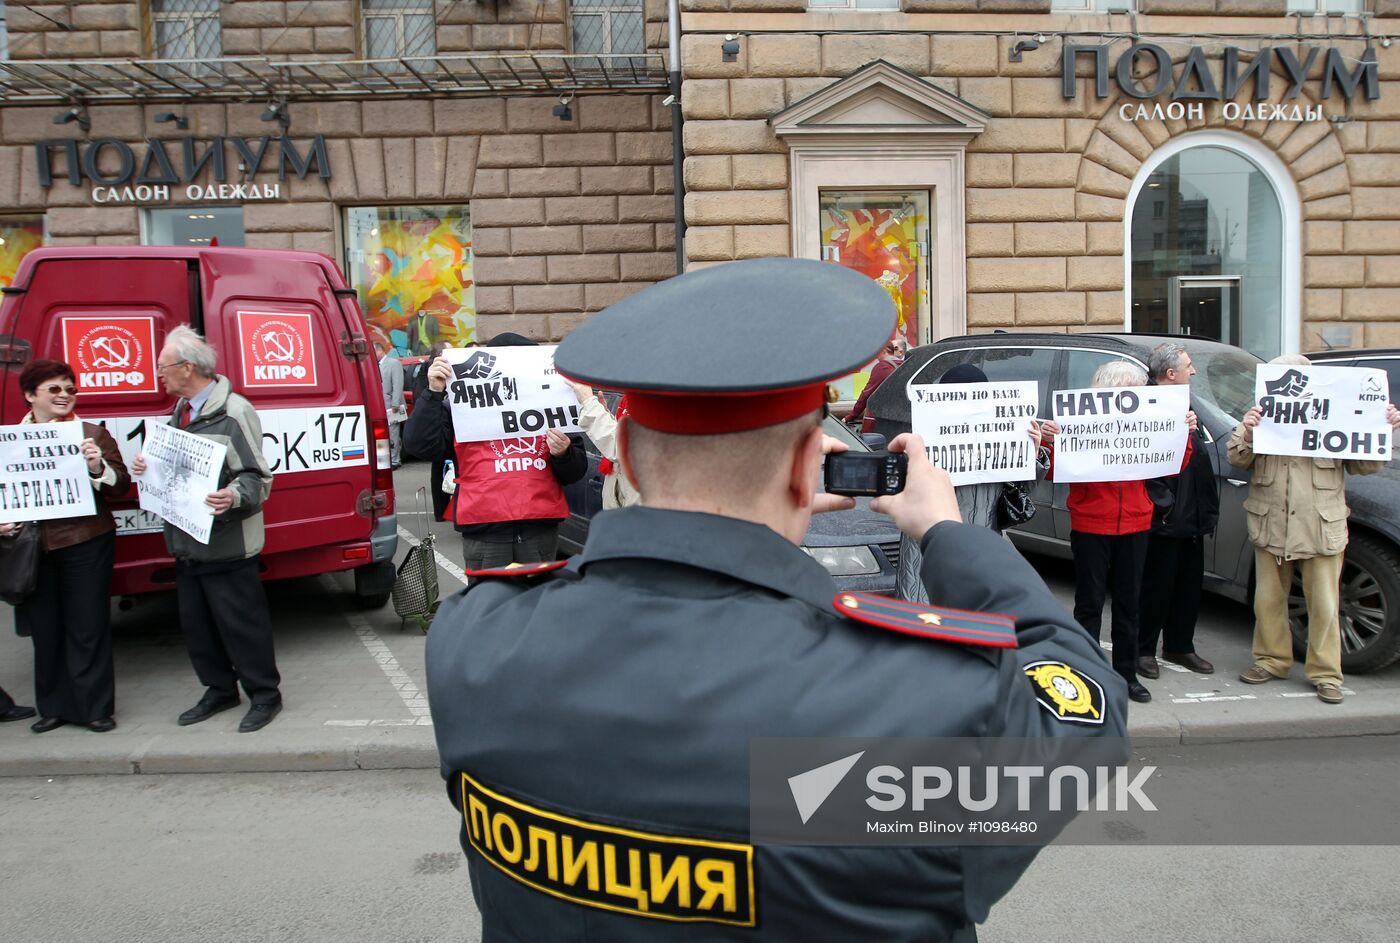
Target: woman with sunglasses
<point>68,612</point>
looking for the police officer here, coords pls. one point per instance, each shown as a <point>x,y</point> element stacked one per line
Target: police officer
<point>594,719</point>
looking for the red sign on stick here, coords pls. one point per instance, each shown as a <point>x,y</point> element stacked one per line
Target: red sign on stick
<point>277,349</point>
<point>112,355</point>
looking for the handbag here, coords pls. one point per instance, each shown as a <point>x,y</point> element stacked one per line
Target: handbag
<point>1014,504</point>
<point>19,564</point>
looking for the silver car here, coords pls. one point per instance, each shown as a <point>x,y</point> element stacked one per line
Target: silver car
<point>1221,392</point>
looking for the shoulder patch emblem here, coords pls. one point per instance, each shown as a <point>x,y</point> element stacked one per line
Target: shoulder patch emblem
<point>939,622</point>
<point>1072,697</point>
<point>520,569</point>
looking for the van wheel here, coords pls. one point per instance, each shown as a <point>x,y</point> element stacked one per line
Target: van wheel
<point>374,583</point>
<point>1369,606</point>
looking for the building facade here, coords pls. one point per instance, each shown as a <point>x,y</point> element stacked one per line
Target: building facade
<point>1227,168</point>
<point>443,153</point>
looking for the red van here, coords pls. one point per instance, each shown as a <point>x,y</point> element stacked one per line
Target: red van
<point>290,338</point>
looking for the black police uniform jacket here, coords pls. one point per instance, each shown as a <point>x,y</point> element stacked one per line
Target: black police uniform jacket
<point>582,714</point>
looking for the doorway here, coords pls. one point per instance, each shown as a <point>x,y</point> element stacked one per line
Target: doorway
<point>1201,306</point>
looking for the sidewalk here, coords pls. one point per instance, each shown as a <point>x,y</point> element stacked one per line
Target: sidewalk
<point>354,691</point>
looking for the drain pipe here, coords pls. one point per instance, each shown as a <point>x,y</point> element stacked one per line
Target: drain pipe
<point>673,30</point>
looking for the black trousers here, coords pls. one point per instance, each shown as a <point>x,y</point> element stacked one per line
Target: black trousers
<point>6,702</point>
<point>1104,562</point>
<point>1171,594</point>
<point>69,620</point>
<point>228,629</point>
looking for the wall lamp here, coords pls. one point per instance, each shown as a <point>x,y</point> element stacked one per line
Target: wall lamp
<point>562,111</point>
<point>181,122</point>
<point>730,47</point>
<point>1024,46</point>
<point>277,111</point>
<point>78,114</point>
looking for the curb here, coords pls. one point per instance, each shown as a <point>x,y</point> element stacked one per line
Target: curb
<point>398,748</point>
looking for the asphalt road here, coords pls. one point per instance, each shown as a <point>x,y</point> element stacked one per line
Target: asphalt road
<point>372,856</point>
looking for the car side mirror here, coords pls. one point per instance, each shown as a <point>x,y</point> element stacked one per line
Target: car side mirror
<point>874,440</point>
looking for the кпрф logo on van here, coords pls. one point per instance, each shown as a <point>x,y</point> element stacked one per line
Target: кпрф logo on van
<point>111,355</point>
<point>278,349</point>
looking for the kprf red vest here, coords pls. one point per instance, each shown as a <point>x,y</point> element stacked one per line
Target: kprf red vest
<point>507,480</point>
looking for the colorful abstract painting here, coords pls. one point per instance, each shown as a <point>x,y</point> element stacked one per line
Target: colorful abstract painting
<point>883,236</point>
<point>18,237</point>
<point>407,261</point>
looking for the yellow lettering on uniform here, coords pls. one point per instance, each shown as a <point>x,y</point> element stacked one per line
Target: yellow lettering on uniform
<point>542,837</point>
<point>716,878</point>
<point>479,819</point>
<point>588,855</point>
<point>633,888</point>
<point>516,850</point>
<point>678,876</point>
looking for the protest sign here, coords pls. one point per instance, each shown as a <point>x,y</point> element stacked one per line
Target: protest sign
<point>977,431</point>
<point>1124,433</point>
<point>1325,412</point>
<point>508,393</point>
<point>43,475</point>
<point>182,469</point>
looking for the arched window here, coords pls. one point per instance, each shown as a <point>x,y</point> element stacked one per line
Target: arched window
<point>1210,249</point>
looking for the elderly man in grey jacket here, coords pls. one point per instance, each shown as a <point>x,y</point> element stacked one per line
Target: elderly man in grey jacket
<point>1297,511</point>
<point>395,407</point>
<point>223,609</point>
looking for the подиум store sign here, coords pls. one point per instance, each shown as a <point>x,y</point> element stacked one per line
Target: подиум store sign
<point>116,175</point>
<point>1241,70</point>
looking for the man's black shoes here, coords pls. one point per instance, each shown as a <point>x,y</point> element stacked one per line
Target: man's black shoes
<point>259,716</point>
<point>1139,692</point>
<point>16,712</point>
<point>1147,667</point>
<point>45,724</point>
<point>206,708</point>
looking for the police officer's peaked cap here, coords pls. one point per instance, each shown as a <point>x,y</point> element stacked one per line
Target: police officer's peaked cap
<point>732,347</point>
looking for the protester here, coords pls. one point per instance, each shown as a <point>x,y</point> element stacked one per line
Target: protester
<point>438,463</point>
<point>223,608</point>
<point>890,357</point>
<point>67,615</point>
<point>1185,510</point>
<point>614,702</point>
<point>1297,510</point>
<point>977,503</point>
<point>1108,526</point>
<point>601,427</point>
<point>396,411</point>
<point>506,512</point>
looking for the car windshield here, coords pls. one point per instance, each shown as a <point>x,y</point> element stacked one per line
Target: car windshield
<point>1223,387</point>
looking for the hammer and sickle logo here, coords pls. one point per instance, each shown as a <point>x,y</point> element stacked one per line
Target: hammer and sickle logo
<point>279,347</point>
<point>110,352</point>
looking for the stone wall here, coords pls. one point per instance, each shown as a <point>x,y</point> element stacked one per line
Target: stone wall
<point>279,29</point>
<point>568,216</point>
<point>1047,180</point>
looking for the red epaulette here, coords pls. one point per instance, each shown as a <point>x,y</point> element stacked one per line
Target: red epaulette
<point>519,570</point>
<point>949,625</point>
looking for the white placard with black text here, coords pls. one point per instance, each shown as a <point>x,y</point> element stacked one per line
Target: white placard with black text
<point>977,431</point>
<point>43,475</point>
<point>1322,412</point>
<point>182,469</point>
<point>1126,433</point>
<point>508,393</point>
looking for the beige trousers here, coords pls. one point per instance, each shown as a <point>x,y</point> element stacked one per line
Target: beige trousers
<point>1273,643</point>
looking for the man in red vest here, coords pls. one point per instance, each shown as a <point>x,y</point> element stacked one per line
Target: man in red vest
<point>506,511</point>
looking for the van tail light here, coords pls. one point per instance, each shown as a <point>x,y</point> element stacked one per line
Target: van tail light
<point>383,500</point>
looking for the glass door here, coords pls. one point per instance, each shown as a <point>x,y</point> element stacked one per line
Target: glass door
<point>1206,307</point>
<point>883,234</point>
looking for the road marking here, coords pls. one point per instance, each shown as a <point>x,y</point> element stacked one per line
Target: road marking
<point>1206,698</point>
<point>413,699</point>
<point>400,722</point>
<point>446,565</point>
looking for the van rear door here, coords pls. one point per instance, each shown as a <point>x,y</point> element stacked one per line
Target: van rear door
<point>285,345</point>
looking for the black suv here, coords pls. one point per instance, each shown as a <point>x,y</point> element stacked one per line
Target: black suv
<point>1221,391</point>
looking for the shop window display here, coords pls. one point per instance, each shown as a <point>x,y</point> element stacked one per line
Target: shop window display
<point>19,235</point>
<point>412,269</point>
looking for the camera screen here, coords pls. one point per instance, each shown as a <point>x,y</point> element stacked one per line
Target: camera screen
<point>849,473</point>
